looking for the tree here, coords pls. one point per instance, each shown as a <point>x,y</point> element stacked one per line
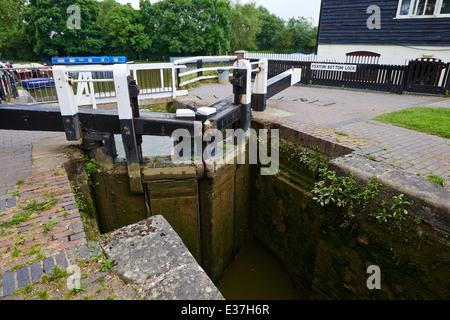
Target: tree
<point>188,27</point>
<point>10,16</point>
<point>270,26</point>
<point>124,31</point>
<point>18,45</point>
<point>245,26</point>
<point>48,21</point>
<point>105,7</point>
<point>299,35</point>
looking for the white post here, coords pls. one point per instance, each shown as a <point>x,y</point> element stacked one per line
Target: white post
<point>67,105</point>
<point>121,74</point>
<point>135,76</point>
<point>242,89</point>
<point>65,92</point>
<point>161,74</point>
<point>174,87</point>
<point>260,86</point>
<point>92,91</point>
<point>243,68</point>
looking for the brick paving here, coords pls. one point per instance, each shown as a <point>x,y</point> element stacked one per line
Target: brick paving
<point>41,227</point>
<point>344,116</point>
<point>15,157</point>
<point>50,222</point>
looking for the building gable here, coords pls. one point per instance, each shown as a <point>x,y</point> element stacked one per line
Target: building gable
<point>346,22</point>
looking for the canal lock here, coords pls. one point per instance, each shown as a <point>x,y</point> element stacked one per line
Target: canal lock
<point>241,225</point>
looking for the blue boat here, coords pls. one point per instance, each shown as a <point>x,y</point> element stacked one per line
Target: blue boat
<point>38,83</point>
<point>89,60</point>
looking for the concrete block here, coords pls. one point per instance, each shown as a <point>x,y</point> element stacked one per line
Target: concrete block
<point>151,255</point>
<point>23,277</point>
<point>36,271</point>
<point>49,264</point>
<point>185,114</point>
<point>8,282</point>
<point>206,111</point>
<point>61,260</point>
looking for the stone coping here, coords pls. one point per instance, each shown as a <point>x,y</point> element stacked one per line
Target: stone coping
<point>151,255</point>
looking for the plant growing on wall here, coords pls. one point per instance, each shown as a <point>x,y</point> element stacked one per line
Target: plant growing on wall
<point>343,192</point>
<point>398,209</point>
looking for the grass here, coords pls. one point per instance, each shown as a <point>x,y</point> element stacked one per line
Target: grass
<point>437,180</point>
<point>435,121</point>
<point>35,207</point>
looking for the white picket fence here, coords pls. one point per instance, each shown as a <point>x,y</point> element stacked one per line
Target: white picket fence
<point>335,59</point>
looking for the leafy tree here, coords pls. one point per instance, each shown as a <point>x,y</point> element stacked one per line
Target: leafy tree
<point>10,13</point>
<point>270,26</point>
<point>124,31</point>
<point>105,7</point>
<point>299,35</point>
<point>48,21</point>
<point>246,25</point>
<point>18,45</point>
<point>188,27</point>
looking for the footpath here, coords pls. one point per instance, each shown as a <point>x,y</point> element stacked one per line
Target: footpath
<point>42,232</point>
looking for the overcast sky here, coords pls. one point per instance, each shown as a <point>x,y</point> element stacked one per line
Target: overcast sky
<point>282,8</point>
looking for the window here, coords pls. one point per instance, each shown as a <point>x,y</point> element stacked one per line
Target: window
<point>404,7</point>
<point>423,8</point>
<point>445,9</point>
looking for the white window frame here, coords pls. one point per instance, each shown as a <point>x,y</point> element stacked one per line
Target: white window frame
<point>412,9</point>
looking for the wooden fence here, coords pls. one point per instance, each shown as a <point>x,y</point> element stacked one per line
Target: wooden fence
<point>428,76</point>
<point>367,76</point>
<point>414,76</point>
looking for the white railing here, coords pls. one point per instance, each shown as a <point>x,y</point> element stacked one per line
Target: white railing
<point>323,58</point>
<point>157,80</point>
<point>92,84</point>
<point>95,83</point>
<point>200,69</point>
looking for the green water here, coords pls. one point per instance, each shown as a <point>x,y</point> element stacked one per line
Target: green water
<point>255,274</point>
<point>158,107</point>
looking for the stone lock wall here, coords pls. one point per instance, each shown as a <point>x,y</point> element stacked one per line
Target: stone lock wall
<point>329,260</point>
<point>206,204</point>
<point>215,208</point>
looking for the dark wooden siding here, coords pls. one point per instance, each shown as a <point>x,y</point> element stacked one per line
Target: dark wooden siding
<point>345,22</point>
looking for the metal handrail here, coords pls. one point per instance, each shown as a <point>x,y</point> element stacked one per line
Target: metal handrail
<point>204,58</point>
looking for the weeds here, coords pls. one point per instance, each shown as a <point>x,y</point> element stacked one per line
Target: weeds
<point>106,265</point>
<point>89,166</point>
<point>58,273</point>
<point>49,225</point>
<point>398,206</point>
<point>313,161</point>
<point>343,192</point>
<point>437,180</point>
<point>38,207</point>
<point>34,207</point>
